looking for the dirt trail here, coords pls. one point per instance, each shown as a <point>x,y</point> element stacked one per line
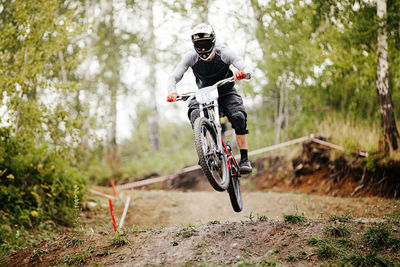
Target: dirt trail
<point>198,227</point>
<point>173,228</point>
<point>176,208</point>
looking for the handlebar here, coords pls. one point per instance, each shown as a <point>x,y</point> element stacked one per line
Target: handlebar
<point>188,95</point>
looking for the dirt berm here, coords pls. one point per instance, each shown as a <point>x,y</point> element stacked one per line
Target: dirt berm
<point>307,211</point>
<point>318,170</point>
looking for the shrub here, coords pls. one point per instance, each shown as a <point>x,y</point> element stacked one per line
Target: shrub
<point>37,183</point>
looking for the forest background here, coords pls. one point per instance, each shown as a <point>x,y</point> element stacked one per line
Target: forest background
<point>83,89</point>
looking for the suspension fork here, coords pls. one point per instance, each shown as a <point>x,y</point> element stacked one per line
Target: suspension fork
<point>215,121</point>
<point>221,144</point>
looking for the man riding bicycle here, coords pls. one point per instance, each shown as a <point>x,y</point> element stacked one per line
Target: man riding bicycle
<point>210,63</point>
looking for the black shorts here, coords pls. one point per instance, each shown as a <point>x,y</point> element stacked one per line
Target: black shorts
<point>229,104</point>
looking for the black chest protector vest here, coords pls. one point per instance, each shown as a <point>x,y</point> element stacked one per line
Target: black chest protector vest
<point>208,73</point>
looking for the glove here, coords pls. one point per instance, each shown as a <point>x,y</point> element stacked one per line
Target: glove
<point>238,75</point>
<point>172,97</point>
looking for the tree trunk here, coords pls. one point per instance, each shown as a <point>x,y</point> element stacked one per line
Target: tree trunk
<point>112,83</point>
<point>279,119</point>
<point>153,121</point>
<point>390,133</point>
<point>286,112</point>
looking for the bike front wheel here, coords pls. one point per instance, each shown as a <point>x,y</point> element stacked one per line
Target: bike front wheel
<point>235,193</point>
<point>212,161</point>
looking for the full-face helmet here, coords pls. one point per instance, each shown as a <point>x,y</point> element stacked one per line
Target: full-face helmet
<point>203,38</point>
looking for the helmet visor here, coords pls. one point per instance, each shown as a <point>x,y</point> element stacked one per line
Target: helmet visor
<point>203,45</point>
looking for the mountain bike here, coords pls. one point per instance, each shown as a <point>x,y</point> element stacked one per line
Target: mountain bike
<point>215,157</point>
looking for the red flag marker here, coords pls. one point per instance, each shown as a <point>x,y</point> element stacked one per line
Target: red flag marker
<point>112,215</point>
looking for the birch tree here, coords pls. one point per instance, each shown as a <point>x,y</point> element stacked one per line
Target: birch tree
<point>391,139</point>
<point>369,29</point>
<point>152,60</point>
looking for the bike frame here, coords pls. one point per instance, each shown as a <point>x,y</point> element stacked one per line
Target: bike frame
<point>226,165</point>
<point>213,109</point>
<point>213,116</point>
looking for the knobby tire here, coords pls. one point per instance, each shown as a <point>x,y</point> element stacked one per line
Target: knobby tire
<point>219,179</point>
<point>235,193</point>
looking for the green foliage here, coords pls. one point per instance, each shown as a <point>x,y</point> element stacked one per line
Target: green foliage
<point>39,130</point>
<point>371,163</point>
<point>18,237</point>
<point>324,52</point>
<point>176,151</point>
<point>42,184</point>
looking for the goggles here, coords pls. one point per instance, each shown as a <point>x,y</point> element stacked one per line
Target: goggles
<point>203,45</point>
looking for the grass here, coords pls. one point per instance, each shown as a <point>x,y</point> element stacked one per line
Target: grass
<point>326,251</point>
<point>345,242</point>
<point>76,241</point>
<point>19,237</point>
<point>262,218</point>
<point>187,232</point>
<point>79,258</point>
<point>291,258</point>
<point>377,237</point>
<point>337,230</point>
<point>371,259</point>
<point>224,233</point>
<point>251,217</point>
<point>375,246</point>
<point>135,229</point>
<point>294,218</point>
<point>103,253</point>
<point>341,218</point>
<point>350,133</point>
<point>37,252</point>
<point>119,241</point>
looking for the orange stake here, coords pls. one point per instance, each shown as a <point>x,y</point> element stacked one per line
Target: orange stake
<point>113,187</point>
<point>112,215</point>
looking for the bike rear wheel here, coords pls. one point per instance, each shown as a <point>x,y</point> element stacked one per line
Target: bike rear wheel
<point>212,161</point>
<point>235,193</point>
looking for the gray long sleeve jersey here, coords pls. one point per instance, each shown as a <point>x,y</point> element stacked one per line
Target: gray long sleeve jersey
<point>208,72</point>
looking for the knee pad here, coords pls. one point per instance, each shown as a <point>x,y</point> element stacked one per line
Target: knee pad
<point>193,116</point>
<point>239,122</point>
